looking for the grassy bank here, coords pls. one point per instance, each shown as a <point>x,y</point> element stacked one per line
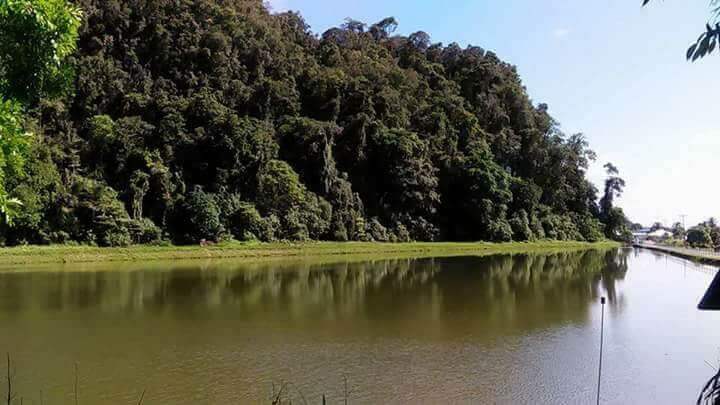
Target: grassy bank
<point>696,255</point>
<point>87,254</point>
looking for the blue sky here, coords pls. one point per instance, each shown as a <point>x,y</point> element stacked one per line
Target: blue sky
<point>608,68</point>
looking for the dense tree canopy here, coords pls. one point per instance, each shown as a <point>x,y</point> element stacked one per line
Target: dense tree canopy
<point>206,119</point>
<point>36,37</point>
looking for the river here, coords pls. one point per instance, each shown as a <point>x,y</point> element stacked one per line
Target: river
<point>517,329</point>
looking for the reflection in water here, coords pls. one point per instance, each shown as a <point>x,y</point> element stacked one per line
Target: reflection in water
<point>508,291</point>
<point>463,329</point>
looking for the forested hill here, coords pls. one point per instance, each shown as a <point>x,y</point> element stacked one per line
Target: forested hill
<point>204,119</point>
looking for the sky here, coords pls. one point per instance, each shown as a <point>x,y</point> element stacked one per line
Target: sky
<point>610,69</point>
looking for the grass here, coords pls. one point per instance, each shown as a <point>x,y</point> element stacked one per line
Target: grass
<point>27,255</point>
<point>696,255</point>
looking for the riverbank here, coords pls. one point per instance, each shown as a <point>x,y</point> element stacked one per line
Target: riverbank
<point>697,255</point>
<point>26,255</point>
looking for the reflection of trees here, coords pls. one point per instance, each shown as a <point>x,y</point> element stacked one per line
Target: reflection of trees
<point>505,291</point>
<point>615,268</point>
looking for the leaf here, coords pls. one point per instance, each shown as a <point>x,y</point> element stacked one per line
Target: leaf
<point>691,51</point>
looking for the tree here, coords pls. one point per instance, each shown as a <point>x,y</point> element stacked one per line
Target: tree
<point>355,134</point>
<point>303,214</point>
<point>13,148</point>
<point>613,217</point>
<point>36,37</point>
<point>656,226</point>
<point>709,39</point>
<point>197,217</point>
<point>699,236</point>
<point>712,227</point>
<point>678,231</point>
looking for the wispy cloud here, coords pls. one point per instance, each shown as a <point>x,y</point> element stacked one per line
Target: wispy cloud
<point>561,33</point>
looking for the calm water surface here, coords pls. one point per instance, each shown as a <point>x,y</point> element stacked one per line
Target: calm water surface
<point>499,329</point>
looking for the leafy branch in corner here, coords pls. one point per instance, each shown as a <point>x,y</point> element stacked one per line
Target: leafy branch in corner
<point>709,39</point>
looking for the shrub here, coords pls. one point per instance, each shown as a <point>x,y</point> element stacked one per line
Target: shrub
<point>303,214</point>
<point>316,214</point>
<point>699,237</point>
<point>501,231</point>
<point>360,233</point>
<point>338,230</point>
<point>117,237</point>
<point>197,217</point>
<point>536,227</point>
<point>294,226</point>
<point>144,231</point>
<point>520,225</point>
<point>421,229</point>
<point>377,231</point>
<point>590,228</point>
<point>246,223</point>
<point>280,189</point>
<point>400,233</point>
<point>99,217</point>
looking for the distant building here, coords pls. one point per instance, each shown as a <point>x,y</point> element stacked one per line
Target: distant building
<point>659,234</point>
<point>641,235</point>
<point>644,235</point>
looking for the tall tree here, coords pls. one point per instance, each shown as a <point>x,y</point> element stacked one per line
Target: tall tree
<point>613,217</point>
<point>36,37</point>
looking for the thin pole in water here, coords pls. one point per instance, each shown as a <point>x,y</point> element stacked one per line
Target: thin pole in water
<point>602,327</point>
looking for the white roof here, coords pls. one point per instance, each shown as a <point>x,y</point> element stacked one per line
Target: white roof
<point>660,232</point>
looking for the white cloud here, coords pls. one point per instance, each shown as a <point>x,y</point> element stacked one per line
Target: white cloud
<point>561,33</point>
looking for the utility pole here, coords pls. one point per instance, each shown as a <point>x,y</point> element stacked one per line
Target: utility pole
<point>602,330</point>
<point>683,216</point>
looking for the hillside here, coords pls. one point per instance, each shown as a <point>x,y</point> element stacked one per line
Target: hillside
<point>211,119</point>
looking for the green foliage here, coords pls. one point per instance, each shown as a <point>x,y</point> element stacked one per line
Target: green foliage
<point>279,188</point>
<point>480,194</point>
<point>91,213</point>
<point>520,224</point>
<point>591,229</point>
<point>14,142</point>
<point>144,231</point>
<point>616,224</point>
<point>713,229</point>
<point>197,218</point>
<point>699,237</point>
<point>303,214</point>
<point>36,37</point>
<point>709,39</point>
<point>678,231</point>
<point>560,227</point>
<point>209,118</point>
<point>40,189</point>
<point>377,231</point>
<point>246,223</point>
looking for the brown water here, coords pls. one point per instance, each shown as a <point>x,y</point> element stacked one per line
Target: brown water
<point>500,329</point>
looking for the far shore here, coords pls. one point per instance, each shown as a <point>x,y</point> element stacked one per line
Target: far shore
<point>31,255</point>
<point>697,255</point>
